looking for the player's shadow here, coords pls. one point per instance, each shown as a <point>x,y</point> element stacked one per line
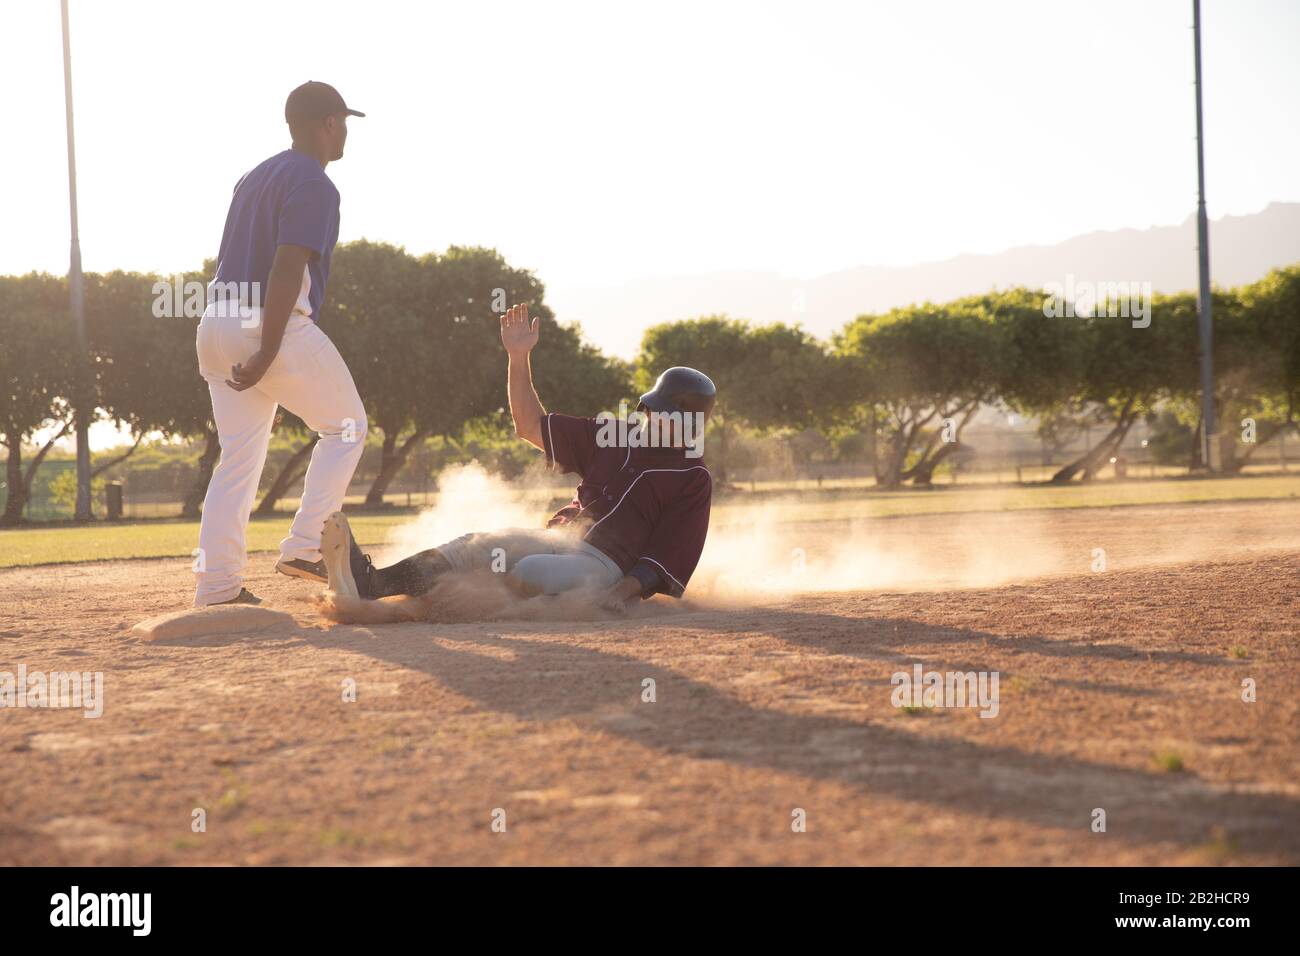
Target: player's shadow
<point>884,639</point>
<point>878,638</point>
<point>536,679</point>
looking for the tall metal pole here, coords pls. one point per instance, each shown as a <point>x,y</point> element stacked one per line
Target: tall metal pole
<point>77,297</point>
<point>1209,454</point>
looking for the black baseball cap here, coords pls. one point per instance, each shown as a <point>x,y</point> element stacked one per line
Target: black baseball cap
<point>315,100</point>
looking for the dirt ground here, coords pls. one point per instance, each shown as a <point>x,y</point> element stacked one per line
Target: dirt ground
<point>765,705</point>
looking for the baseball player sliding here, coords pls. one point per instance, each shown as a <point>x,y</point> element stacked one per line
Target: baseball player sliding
<point>259,347</point>
<point>635,527</point>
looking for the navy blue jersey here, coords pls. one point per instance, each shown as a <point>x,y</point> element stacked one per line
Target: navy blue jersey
<point>285,200</point>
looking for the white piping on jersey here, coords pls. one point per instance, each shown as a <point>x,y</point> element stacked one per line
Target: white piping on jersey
<point>633,485</point>
<point>664,570</point>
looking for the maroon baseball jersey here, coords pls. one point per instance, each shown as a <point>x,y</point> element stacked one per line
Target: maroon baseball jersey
<point>647,508</point>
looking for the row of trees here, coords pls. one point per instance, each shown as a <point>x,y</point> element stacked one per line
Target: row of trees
<point>911,380</point>
<point>420,336</point>
<point>418,333</point>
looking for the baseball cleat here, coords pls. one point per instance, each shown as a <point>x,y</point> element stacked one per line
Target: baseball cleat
<point>347,569</point>
<point>244,596</point>
<point>308,570</point>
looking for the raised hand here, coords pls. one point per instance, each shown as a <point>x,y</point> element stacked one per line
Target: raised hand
<point>518,333</point>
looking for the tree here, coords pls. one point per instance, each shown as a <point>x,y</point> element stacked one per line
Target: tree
<point>926,369</point>
<point>422,339</point>
<point>36,369</point>
<point>785,369</point>
<point>571,375</point>
<point>470,289</point>
<point>375,314</point>
<point>145,368</point>
<point>1260,349</point>
<point>1041,367</point>
<point>1127,370</point>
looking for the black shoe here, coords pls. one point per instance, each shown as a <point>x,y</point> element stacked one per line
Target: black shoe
<point>308,570</point>
<point>347,570</point>
<point>244,596</point>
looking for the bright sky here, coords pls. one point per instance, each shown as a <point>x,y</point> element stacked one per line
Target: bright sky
<point>597,142</point>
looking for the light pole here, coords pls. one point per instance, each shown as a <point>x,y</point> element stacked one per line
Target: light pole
<point>77,297</point>
<point>1204,316</point>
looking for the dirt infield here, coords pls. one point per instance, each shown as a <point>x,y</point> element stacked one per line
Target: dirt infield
<point>1120,689</point>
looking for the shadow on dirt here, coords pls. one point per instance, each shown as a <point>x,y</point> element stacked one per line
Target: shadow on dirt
<point>539,680</point>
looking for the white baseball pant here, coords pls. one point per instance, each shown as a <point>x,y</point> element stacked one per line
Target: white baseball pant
<point>552,560</point>
<point>309,378</point>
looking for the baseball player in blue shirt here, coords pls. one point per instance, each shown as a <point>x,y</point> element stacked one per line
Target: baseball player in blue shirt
<point>259,347</point>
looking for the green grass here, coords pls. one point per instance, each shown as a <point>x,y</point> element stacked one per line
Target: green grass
<point>845,504</point>
<point>161,538</point>
<point>235,793</point>
<point>1170,761</point>
<point>60,544</point>
<point>335,837</point>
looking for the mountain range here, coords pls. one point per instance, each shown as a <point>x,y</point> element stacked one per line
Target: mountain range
<point>1242,249</point>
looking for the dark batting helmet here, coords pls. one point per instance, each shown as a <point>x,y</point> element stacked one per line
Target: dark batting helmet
<point>681,389</point>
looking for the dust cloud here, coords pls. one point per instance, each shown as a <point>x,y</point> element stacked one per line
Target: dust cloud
<point>755,553</point>
<point>768,550</point>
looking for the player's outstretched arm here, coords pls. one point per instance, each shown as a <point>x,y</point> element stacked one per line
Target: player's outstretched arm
<point>519,335</point>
